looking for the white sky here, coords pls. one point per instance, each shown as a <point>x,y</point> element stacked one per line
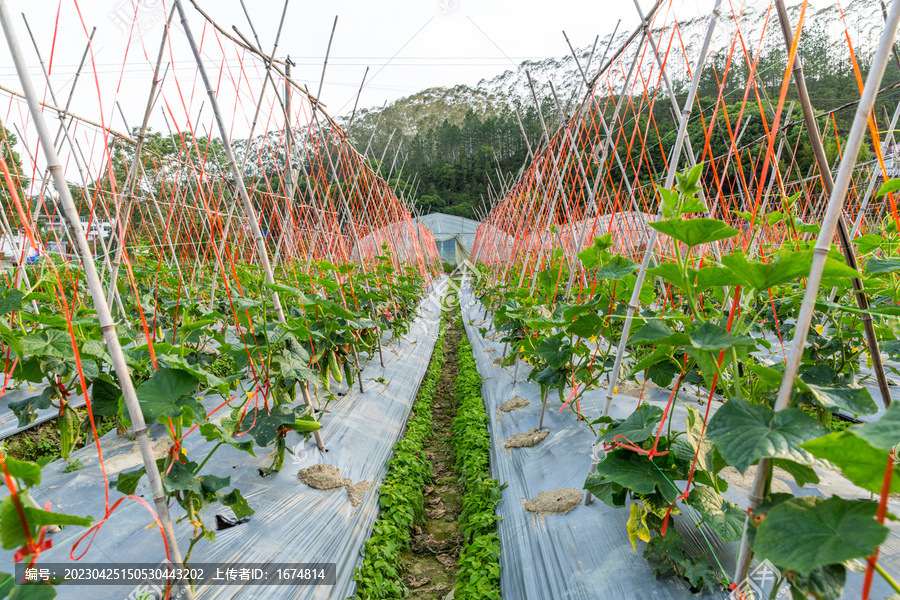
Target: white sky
<point>408,45</point>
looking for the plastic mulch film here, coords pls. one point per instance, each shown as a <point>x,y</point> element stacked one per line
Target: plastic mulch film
<point>586,554</point>
<point>9,422</point>
<point>293,523</point>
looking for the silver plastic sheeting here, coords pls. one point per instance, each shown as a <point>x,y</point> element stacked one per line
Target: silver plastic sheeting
<point>586,554</point>
<point>453,235</point>
<point>292,523</point>
<point>9,422</point>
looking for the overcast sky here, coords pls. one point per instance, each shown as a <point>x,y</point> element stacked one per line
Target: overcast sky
<point>408,45</point>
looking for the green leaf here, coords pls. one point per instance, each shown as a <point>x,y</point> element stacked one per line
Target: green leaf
<point>617,268</point>
<point>823,583</point>
<point>857,459</point>
<point>712,337</point>
<point>293,362</point>
<point>211,433</point>
<point>802,474</point>
<point>706,364</point>
<point>768,375</point>
<point>639,426</point>
<point>105,396</point>
<point>587,326</point>
<point>878,266</point>
<point>48,342</point>
<point>662,372</point>
<point>883,433</point>
<point>590,257</point>
<point>27,408</point>
<point>158,394</point>
<point>238,504</point>
<point>805,533</point>
<point>604,242</point>
<point>635,472</point>
<point>745,216</point>
<point>210,484</point>
<point>669,272</point>
<point>857,400</point>
<point>13,536</point>
<point>688,183</point>
<point>97,349</point>
<point>693,205</point>
<point>554,352</point>
<point>266,428</point>
<point>693,232</point>
<point>127,481</point>
<point>191,410</point>
<point>889,186</point>
<point>10,300</point>
<point>656,332</point>
<point>181,477</point>
<point>868,243</point>
<point>669,202</point>
<point>28,472</point>
<point>662,354</point>
<point>210,380</point>
<point>782,268</point>
<point>836,270</point>
<point>744,433</point>
<point>611,494</point>
<point>241,304</point>
<point>709,277</point>
<point>189,326</point>
<point>724,517</point>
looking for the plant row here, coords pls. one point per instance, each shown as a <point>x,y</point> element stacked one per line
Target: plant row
<point>479,562</point>
<point>182,344</point>
<point>401,499</point>
<point>718,312</point>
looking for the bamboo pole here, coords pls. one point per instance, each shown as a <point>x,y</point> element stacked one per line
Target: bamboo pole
<point>133,174</point>
<point>107,325</point>
<point>862,299</point>
<point>249,211</point>
<point>820,254</point>
<point>674,156</point>
<point>250,140</point>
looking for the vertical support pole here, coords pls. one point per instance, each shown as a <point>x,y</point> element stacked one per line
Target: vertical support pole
<point>133,174</point>
<point>820,254</point>
<point>674,156</point>
<point>862,299</point>
<point>289,135</point>
<point>249,211</point>
<point>107,325</point>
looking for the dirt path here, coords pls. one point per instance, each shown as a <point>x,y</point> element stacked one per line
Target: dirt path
<point>429,565</point>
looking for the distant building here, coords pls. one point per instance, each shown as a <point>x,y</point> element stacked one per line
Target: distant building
<point>93,229</point>
<point>454,236</point>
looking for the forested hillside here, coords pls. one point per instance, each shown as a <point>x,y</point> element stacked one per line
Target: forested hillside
<point>450,148</point>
